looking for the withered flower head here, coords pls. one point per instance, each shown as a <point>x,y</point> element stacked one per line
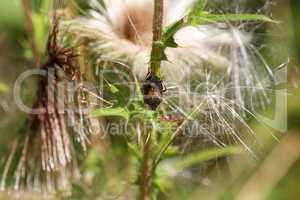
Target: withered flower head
<point>47,154</point>
<point>59,55</point>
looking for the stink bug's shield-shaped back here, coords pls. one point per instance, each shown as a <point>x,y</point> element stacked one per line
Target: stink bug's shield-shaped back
<point>153,89</point>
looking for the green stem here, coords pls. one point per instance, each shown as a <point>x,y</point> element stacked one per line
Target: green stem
<point>146,167</point>
<point>157,36</point>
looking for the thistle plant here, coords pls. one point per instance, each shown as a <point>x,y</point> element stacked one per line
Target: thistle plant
<point>220,104</point>
<point>162,68</point>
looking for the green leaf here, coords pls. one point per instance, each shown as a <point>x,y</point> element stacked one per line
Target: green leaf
<point>168,36</point>
<point>165,138</point>
<point>116,92</point>
<point>205,18</point>
<point>197,17</point>
<point>143,114</point>
<point>110,112</point>
<point>206,155</point>
<point>198,7</point>
<point>170,152</point>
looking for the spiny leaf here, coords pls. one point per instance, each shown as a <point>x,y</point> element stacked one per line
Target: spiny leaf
<point>110,112</point>
<point>168,36</point>
<point>197,17</point>
<point>205,18</point>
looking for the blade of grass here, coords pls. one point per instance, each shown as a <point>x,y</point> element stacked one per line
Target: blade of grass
<point>30,33</point>
<point>206,155</point>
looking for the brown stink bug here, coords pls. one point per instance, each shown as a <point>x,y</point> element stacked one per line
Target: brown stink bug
<point>153,89</point>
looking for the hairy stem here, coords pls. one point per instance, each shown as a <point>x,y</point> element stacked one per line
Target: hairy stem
<point>157,36</point>
<point>30,32</point>
<point>146,167</point>
<point>145,178</point>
